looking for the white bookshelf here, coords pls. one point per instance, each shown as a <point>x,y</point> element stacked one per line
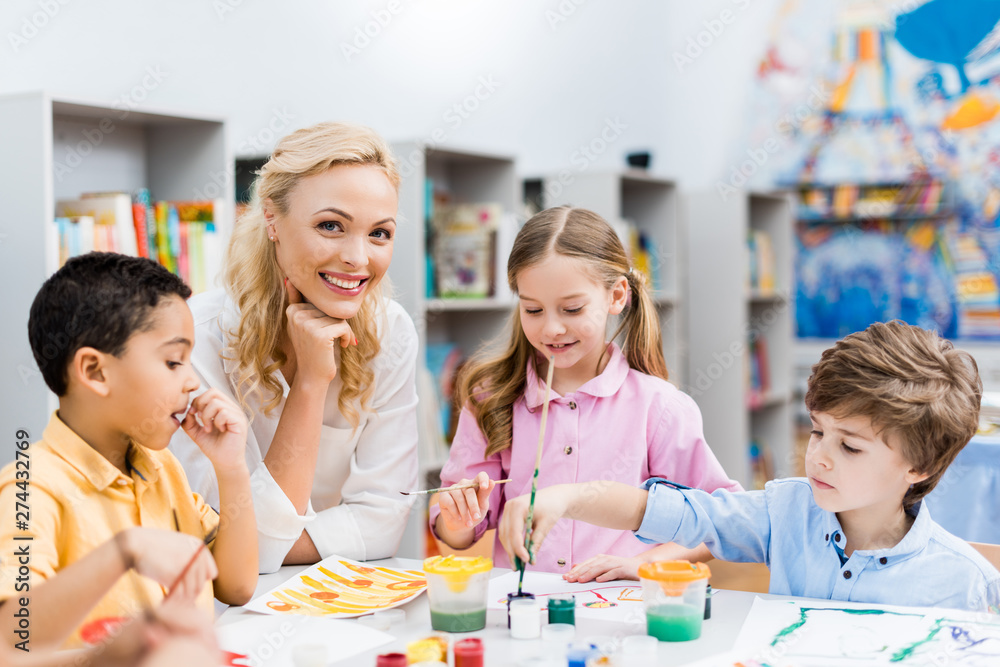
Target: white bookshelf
<point>470,177</point>
<point>57,148</point>
<point>651,203</point>
<point>723,313</point>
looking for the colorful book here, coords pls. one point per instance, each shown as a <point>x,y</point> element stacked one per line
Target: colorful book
<point>162,237</point>
<point>142,198</point>
<point>464,237</point>
<point>112,210</point>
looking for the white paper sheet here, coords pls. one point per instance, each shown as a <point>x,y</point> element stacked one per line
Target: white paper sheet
<point>271,640</point>
<point>822,633</point>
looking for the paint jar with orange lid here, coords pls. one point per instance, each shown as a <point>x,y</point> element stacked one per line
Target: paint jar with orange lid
<point>673,593</point>
<point>456,592</point>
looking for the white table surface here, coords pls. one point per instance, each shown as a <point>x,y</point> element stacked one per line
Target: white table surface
<point>729,609</point>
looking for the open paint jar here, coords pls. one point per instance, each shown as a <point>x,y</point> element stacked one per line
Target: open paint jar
<point>673,593</point>
<point>456,592</point>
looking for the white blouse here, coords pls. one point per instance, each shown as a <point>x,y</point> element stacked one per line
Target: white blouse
<point>355,509</point>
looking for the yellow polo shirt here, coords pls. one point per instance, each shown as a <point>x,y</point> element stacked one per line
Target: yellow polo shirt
<point>77,500</point>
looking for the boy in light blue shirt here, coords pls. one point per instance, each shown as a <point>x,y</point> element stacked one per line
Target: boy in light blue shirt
<point>891,407</point>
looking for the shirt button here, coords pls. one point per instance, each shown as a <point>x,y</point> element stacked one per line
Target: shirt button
<point>883,560</point>
<point>568,451</point>
<point>572,405</point>
<point>836,538</point>
<point>826,537</point>
<point>561,562</point>
<point>122,481</point>
<point>847,574</point>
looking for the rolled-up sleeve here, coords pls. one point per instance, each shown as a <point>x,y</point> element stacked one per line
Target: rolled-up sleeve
<point>279,525</point>
<point>369,522</point>
<point>734,526</point>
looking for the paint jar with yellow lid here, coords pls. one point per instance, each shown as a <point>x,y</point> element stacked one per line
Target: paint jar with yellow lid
<point>456,592</point>
<point>673,593</point>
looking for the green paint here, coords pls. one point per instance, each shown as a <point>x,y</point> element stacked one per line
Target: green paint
<point>904,653</point>
<point>791,628</point>
<point>462,622</point>
<point>674,622</point>
<point>562,610</point>
<point>857,612</point>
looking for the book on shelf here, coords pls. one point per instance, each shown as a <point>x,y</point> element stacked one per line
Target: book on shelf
<point>642,251</point>
<point>464,249</point>
<point>759,373</point>
<point>142,207</point>
<point>112,214</point>
<point>761,464</point>
<point>761,252</point>
<point>918,197</point>
<point>181,236</point>
<point>68,237</point>
<point>444,361</point>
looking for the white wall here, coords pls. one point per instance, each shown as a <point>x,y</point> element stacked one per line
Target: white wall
<point>561,70</point>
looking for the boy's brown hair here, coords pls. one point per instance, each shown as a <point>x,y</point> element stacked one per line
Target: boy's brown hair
<point>911,384</point>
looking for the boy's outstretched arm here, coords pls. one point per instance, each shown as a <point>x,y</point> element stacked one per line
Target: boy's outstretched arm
<point>601,503</point>
<point>222,436</point>
<point>606,567</point>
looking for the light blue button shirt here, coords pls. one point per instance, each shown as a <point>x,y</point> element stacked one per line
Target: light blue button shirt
<point>783,527</point>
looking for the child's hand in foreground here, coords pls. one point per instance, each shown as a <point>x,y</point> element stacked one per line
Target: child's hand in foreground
<point>605,568</point>
<point>162,556</point>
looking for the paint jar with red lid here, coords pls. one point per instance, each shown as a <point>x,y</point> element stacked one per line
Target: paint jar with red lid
<point>469,652</point>
<point>391,660</point>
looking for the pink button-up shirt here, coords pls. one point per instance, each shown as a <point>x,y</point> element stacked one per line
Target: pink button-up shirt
<point>622,425</point>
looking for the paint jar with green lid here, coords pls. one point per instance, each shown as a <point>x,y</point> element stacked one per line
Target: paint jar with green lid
<point>562,609</point>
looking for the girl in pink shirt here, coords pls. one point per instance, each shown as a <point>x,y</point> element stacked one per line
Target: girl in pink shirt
<point>612,414</point>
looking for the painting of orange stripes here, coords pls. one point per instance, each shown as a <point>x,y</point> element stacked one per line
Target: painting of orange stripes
<point>341,588</point>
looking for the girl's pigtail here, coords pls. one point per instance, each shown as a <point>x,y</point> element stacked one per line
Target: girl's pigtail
<point>643,346</point>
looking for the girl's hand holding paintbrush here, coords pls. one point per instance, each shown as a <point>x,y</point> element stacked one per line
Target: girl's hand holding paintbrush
<point>463,509</point>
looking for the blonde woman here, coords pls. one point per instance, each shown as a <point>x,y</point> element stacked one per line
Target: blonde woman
<point>324,364</point>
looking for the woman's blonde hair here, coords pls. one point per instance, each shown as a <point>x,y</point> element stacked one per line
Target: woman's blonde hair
<point>492,383</point>
<point>256,284</point>
<point>911,384</point>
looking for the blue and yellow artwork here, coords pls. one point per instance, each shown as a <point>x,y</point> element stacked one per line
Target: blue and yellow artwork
<point>907,91</point>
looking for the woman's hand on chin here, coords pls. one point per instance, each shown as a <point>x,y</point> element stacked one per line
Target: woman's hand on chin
<point>313,335</point>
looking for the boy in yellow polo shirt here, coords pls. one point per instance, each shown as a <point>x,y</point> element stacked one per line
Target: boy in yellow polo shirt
<point>99,495</point>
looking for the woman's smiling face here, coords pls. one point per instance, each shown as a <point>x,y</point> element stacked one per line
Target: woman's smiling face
<point>335,242</point>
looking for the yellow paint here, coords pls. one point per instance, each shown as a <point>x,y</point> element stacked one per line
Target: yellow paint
<point>457,570</point>
<point>843,89</point>
<point>375,589</point>
<point>976,109</point>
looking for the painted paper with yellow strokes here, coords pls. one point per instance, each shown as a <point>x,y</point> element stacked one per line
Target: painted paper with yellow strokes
<point>340,588</point>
